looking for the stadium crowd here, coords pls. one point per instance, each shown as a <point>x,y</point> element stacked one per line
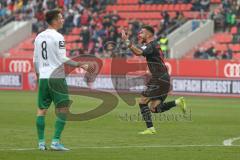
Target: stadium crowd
<point>99,31</point>
<point>225,18</point>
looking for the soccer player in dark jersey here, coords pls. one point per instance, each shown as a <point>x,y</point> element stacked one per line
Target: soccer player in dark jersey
<point>158,86</point>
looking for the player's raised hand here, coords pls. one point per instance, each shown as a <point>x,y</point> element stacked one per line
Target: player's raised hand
<point>124,35</point>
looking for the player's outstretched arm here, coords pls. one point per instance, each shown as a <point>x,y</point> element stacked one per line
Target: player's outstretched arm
<point>134,49</point>
<point>72,63</point>
<point>86,66</point>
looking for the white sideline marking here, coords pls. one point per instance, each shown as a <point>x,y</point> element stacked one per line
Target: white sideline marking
<point>228,142</point>
<point>17,149</point>
<point>122,147</point>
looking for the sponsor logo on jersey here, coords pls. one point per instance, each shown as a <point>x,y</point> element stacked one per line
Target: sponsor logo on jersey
<point>61,44</point>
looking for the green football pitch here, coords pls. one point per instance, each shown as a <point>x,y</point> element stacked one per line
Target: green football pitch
<point>198,135</point>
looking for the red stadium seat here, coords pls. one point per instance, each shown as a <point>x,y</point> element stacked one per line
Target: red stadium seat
<point>227,38</point>
<point>154,7</point>
<point>235,47</point>
<point>133,8</point>
<point>234,30</point>
<point>141,8</point>
<point>160,7</point>
<point>72,38</point>
<point>70,46</point>
<point>76,31</point>
<point>170,7</point>
<point>120,8</point>
<point>27,46</point>
<point>147,7</point>
<point>141,15</point>
<point>220,47</point>
<point>122,23</point>
<point>216,1</point>
<point>127,1</point>
<point>164,7</point>
<point>172,14</point>
<point>192,15</point>
<point>177,7</point>
<point>223,38</point>
<point>79,45</point>
<point>236,56</point>
<point>188,7</point>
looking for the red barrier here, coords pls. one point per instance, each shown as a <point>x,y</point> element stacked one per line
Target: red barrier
<point>1,65</point>
<point>172,66</point>
<point>189,68</point>
<point>191,77</point>
<point>18,65</point>
<point>197,68</point>
<point>229,69</point>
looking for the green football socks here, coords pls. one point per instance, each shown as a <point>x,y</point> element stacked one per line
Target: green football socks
<point>59,125</point>
<point>40,123</point>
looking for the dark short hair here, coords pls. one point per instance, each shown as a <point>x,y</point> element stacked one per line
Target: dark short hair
<point>51,15</point>
<point>149,28</point>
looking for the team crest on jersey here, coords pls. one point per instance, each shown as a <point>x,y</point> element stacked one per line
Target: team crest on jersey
<point>61,44</point>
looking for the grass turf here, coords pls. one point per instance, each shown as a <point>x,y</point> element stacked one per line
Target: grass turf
<point>114,135</point>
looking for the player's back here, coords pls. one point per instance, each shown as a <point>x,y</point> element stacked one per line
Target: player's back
<point>49,53</point>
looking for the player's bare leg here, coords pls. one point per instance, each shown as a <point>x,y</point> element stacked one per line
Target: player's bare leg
<point>40,124</point>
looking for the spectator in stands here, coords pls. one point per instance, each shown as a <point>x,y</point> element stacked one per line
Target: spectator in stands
<point>160,30</point>
<point>218,17</point>
<point>203,53</point>
<point>85,18</point>
<point>179,19</point>
<point>197,54</point>
<point>236,38</point>
<point>68,22</point>
<point>51,4</point>
<point>114,17</point>
<point>4,12</point>
<point>205,4</point>
<point>211,52</point>
<point>166,19</point>
<point>85,35</point>
<point>147,1</point>
<point>230,19</point>
<point>226,4</point>
<point>60,3</point>
<point>164,45</point>
<point>100,27</point>
<point>76,18</point>
<point>196,5</point>
<point>76,51</point>
<point>228,54</point>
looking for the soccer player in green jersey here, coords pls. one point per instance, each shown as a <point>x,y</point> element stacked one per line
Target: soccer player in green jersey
<point>49,57</point>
